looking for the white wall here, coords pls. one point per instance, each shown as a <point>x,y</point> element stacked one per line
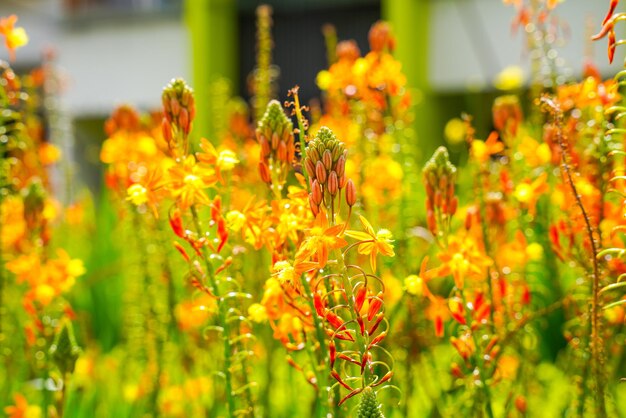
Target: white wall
<point>130,60</point>
<point>456,53</point>
<point>106,62</point>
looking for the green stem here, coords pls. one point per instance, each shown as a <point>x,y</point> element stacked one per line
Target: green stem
<point>479,360</point>
<point>322,381</point>
<point>595,343</point>
<point>222,311</point>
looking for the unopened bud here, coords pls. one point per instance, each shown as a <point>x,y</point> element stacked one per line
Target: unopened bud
<point>320,172</point>
<point>340,168</point>
<point>309,165</point>
<point>282,151</point>
<point>264,171</point>
<point>327,159</point>
<point>265,147</point>
<point>315,208</point>
<point>183,120</point>
<point>166,127</point>
<point>316,192</point>
<point>350,193</point>
<point>333,183</point>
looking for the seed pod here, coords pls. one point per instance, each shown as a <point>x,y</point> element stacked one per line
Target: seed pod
<point>350,193</point>
<point>320,172</point>
<point>333,183</point>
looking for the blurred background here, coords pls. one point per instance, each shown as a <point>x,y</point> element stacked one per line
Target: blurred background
<point>109,52</point>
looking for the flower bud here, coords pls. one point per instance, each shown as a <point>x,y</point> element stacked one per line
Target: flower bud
<point>309,165</point>
<point>340,167</point>
<point>350,193</point>
<point>315,208</point>
<point>264,171</point>
<point>333,183</point>
<point>265,147</point>
<point>320,172</point>
<point>281,152</point>
<point>183,120</point>
<point>175,106</point>
<point>316,192</point>
<point>327,159</point>
<point>166,128</point>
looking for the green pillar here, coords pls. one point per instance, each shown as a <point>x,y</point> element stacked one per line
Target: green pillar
<point>212,26</point>
<point>410,21</point>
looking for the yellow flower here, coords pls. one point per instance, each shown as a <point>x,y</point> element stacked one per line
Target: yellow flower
<point>510,78</point>
<point>137,194</point>
<point>284,271</point>
<point>189,181</point>
<point>320,240</point>
<point>414,285</point>
<point>227,159</point>
<point>22,409</point>
<point>323,80</point>
<point>373,242</point>
<point>257,313</point>
<point>455,131</point>
<point>13,37</point>
<point>534,251</point>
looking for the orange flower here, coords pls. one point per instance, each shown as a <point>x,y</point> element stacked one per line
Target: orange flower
<point>373,242</point>
<point>22,409</point>
<point>483,150</point>
<point>189,181</point>
<point>224,160</point>
<point>321,239</point>
<point>13,37</point>
<point>528,193</point>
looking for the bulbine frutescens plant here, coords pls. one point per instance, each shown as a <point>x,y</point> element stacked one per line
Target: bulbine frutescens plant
<point>347,298</point>
<point>160,174</point>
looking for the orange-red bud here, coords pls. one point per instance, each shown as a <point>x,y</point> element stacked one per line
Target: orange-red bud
<point>333,183</point>
<point>264,171</point>
<point>375,304</point>
<point>320,172</point>
<point>350,193</point>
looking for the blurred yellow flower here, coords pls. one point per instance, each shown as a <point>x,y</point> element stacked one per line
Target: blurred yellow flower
<point>510,78</point>
<point>414,285</point>
<point>257,313</point>
<point>13,37</point>
<point>455,131</point>
<point>137,194</point>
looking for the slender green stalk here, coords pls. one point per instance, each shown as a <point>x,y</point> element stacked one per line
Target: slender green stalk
<point>223,320</point>
<point>595,342</point>
<point>322,380</point>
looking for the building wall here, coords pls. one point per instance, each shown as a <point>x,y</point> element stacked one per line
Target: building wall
<point>131,58</point>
